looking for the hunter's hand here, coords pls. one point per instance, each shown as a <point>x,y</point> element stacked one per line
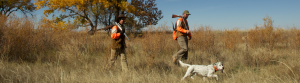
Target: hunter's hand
<point>187,31</point>
<point>190,38</point>
<point>123,31</point>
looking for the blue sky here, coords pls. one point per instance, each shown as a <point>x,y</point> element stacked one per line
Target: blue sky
<point>228,14</point>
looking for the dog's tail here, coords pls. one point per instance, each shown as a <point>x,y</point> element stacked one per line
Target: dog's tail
<point>184,64</point>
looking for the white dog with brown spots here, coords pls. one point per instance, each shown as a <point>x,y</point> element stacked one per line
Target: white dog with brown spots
<point>204,70</point>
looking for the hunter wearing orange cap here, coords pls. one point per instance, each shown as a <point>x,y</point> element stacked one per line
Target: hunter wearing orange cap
<point>182,32</point>
<point>118,43</point>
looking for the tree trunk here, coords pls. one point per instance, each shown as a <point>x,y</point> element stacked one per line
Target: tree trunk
<point>117,13</point>
<point>93,30</point>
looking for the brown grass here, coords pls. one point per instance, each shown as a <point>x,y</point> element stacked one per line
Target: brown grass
<point>30,54</point>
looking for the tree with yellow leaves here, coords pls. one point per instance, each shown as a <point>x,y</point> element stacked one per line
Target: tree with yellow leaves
<point>56,24</point>
<point>91,12</point>
<point>84,11</point>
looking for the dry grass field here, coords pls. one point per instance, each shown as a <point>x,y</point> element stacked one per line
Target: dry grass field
<point>33,54</point>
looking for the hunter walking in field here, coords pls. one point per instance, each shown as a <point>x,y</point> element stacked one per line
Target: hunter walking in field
<point>180,34</point>
<point>118,43</point>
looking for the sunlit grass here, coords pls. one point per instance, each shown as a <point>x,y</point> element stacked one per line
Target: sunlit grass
<point>43,55</point>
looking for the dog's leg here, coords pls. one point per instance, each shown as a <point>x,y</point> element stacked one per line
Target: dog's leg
<point>216,76</point>
<point>204,78</point>
<point>188,72</point>
<point>213,75</point>
<point>194,73</point>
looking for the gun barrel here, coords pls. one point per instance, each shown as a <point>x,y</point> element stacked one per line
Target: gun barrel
<point>173,26</point>
<point>127,37</point>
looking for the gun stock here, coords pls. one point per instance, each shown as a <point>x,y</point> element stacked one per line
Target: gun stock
<point>174,16</point>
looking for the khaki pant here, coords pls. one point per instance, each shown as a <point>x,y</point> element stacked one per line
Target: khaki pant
<point>183,52</point>
<point>114,54</point>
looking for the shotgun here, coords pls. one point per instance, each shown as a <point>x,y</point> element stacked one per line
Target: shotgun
<point>174,16</point>
<point>106,27</point>
<point>119,26</point>
<point>173,27</point>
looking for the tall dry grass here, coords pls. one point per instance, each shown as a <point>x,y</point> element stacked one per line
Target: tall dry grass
<point>30,53</point>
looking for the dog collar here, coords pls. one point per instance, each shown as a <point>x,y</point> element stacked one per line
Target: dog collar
<point>216,68</point>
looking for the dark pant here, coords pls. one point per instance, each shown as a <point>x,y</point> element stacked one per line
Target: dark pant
<point>183,52</point>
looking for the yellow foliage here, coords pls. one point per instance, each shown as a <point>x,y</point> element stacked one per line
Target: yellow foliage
<point>231,39</point>
<point>80,5</point>
<point>295,38</point>
<point>264,36</point>
<point>51,24</point>
<point>203,38</point>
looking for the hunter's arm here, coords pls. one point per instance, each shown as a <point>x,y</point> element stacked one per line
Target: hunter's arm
<point>114,33</point>
<point>190,35</point>
<point>179,26</point>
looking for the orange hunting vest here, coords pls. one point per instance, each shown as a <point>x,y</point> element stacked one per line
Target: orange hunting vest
<point>177,33</point>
